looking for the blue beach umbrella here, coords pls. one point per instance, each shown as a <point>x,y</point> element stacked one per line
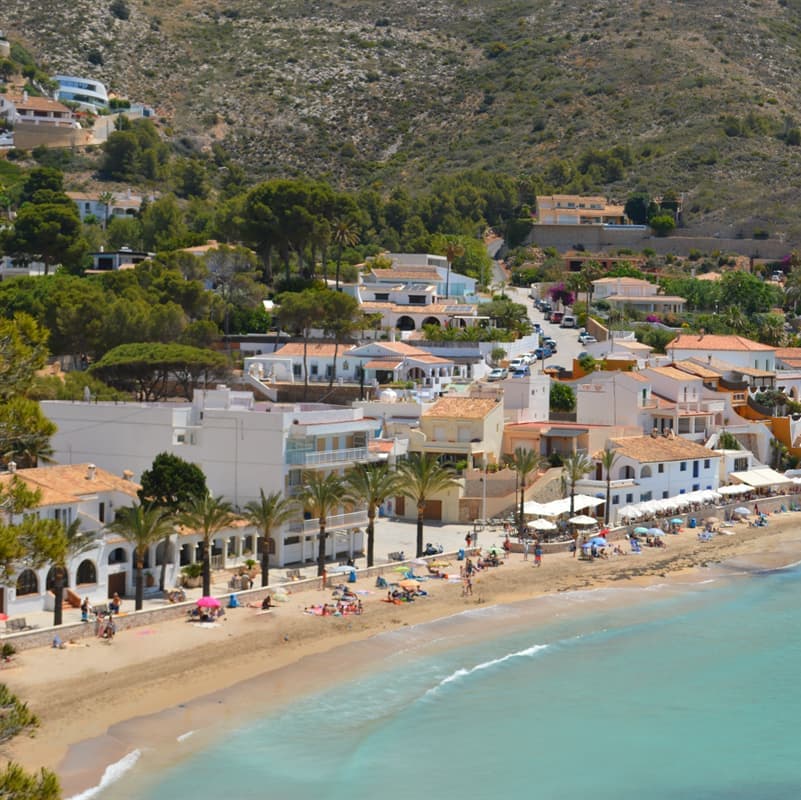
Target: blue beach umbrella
<point>677,521</point>
<point>641,530</point>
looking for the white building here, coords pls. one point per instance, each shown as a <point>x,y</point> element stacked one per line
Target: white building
<point>654,468</point>
<point>87,92</point>
<point>121,205</point>
<point>23,108</point>
<point>736,351</point>
<point>639,294</point>
<point>241,446</point>
<point>77,492</point>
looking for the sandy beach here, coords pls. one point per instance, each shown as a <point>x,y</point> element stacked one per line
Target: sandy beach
<point>83,691</point>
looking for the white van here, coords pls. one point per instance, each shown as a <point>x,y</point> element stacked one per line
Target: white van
<point>568,321</point>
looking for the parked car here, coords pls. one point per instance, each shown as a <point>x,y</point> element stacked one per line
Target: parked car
<point>556,317</point>
<point>568,321</point>
<point>498,374</point>
<point>589,339</point>
<point>549,342</point>
<point>523,372</point>
<point>517,363</point>
<point>543,352</point>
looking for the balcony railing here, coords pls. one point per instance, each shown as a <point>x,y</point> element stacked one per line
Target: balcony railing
<point>351,520</point>
<point>315,458</point>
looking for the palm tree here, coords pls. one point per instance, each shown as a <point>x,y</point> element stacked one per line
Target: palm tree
<point>321,494</point>
<point>268,513</point>
<point>523,461</point>
<point>206,515</point>
<point>576,466</point>
<point>105,199</point>
<point>49,542</point>
<point>345,233</point>
<point>608,458</point>
<point>142,525</point>
<point>371,484</point>
<point>421,476</point>
<point>453,250</point>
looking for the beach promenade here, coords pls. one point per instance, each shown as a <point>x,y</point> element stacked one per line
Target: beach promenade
<point>90,687</point>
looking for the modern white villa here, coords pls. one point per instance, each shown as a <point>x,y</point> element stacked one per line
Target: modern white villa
<point>87,92</point>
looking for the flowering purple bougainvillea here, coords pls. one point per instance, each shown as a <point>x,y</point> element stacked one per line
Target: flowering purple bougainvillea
<point>559,294</point>
<point>653,318</point>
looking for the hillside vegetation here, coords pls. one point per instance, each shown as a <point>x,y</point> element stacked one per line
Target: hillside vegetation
<point>694,97</point>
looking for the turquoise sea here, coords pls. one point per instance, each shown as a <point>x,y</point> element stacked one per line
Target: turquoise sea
<point>690,691</point>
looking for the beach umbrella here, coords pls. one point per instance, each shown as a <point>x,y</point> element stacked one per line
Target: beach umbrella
<point>678,521</point>
<point>655,531</point>
<point>542,525</point>
<point>495,550</point>
<point>439,564</point>
<point>582,519</point>
<point>712,520</point>
<point>340,568</point>
<point>208,602</point>
<point>401,569</point>
<point>641,530</point>
<point>742,510</point>
<point>598,541</point>
<point>409,584</point>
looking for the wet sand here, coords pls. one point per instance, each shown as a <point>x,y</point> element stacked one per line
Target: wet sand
<point>98,702</point>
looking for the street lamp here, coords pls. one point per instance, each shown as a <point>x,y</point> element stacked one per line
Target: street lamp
<point>484,489</point>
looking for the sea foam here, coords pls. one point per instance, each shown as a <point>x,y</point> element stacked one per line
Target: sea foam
<point>112,774</point>
<point>463,673</point>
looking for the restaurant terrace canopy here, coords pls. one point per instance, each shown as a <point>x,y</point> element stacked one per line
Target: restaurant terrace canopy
<point>761,478</point>
<point>558,507</point>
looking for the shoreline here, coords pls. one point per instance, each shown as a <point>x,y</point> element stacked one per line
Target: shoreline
<point>153,685</point>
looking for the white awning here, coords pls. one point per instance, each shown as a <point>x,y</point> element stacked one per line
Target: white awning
<point>734,490</point>
<point>558,507</point>
<point>760,478</point>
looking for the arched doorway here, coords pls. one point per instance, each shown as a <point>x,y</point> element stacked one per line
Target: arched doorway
<point>27,583</point>
<point>625,473</point>
<point>87,572</point>
<point>431,321</point>
<point>405,323</point>
<point>118,556</point>
<point>164,549</point>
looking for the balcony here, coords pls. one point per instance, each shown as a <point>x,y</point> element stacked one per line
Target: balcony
<point>354,519</point>
<point>320,458</point>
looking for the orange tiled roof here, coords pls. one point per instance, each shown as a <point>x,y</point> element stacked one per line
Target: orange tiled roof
<point>659,448</point>
<point>461,407</point>
<point>68,483</point>
<point>706,342</point>
<point>315,349</point>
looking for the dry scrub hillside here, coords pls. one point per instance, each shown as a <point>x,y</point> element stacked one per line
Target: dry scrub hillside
<point>699,97</point>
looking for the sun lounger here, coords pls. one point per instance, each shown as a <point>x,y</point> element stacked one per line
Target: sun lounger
<point>705,536</point>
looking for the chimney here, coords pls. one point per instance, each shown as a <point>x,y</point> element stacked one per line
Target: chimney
<point>91,469</point>
<point>127,475</point>
<point>12,467</point>
<point>25,96</point>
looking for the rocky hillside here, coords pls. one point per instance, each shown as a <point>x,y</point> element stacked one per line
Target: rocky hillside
<point>698,97</point>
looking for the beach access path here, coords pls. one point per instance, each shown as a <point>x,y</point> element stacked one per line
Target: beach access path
<point>81,691</point>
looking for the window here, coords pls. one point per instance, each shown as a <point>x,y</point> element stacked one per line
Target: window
<point>314,369</point>
<point>417,299</point>
<point>683,466</point>
<point>296,370</point>
<point>665,495</point>
<point>27,583</point>
<point>382,297</point>
<point>101,512</point>
<point>696,487</point>
<point>707,462</point>
<point>86,573</point>
<point>740,464</point>
<point>660,469</point>
<point>629,498</point>
<point>615,499</point>
<point>645,472</point>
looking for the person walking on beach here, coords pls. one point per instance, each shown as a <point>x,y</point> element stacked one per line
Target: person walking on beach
<point>85,610</point>
<point>525,548</point>
<point>468,540</point>
<point>537,554</point>
<point>467,585</point>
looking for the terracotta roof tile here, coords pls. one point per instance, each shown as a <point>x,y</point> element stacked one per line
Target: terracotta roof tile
<point>707,342</point>
<point>654,449</point>
<point>461,407</point>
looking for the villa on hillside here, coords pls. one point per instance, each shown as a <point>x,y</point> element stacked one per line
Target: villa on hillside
<point>23,108</point>
<point>89,204</point>
<point>736,351</point>
<point>637,294</point>
<point>570,209</point>
<point>86,92</point>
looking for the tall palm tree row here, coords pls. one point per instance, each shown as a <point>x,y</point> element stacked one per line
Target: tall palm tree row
<point>142,525</point>
<point>421,477</point>
<point>267,514</point>
<point>575,466</point>
<point>207,515</point>
<point>524,461</point>
<point>371,484</point>
<point>320,496</point>
<point>608,458</point>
